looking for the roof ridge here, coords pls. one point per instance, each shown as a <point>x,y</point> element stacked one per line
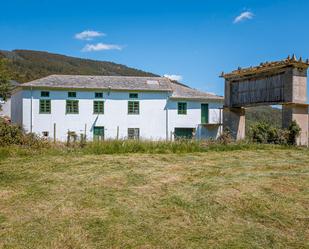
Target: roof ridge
<point>115,76</point>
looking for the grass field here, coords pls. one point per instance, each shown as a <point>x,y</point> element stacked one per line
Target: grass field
<point>227,199</point>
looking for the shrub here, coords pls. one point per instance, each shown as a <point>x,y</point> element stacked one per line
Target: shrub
<point>225,137</point>
<point>294,132</point>
<point>265,133</point>
<point>11,134</point>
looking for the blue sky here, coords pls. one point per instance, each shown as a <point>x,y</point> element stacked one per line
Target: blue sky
<point>196,40</point>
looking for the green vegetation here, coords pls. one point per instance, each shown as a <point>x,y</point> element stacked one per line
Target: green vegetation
<point>27,65</point>
<point>266,114</point>
<point>5,85</point>
<point>262,132</point>
<point>256,198</point>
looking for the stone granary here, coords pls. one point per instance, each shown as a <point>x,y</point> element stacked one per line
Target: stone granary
<point>271,83</point>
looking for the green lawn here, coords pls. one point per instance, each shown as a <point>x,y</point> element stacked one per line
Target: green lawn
<point>232,199</point>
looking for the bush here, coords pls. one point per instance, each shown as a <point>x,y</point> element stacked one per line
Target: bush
<point>11,134</point>
<point>265,133</point>
<point>226,137</point>
<point>294,132</point>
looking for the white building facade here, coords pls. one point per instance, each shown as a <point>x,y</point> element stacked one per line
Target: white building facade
<point>111,107</point>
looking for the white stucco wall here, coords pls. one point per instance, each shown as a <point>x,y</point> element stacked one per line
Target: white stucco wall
<point>155,110</point>
<point>193,117</point>
<point>151,121</point>
<point>5,107</point>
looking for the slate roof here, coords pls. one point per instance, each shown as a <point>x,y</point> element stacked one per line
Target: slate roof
<point>181,91</point>
<point>103,82</point>
<point>178,90</point>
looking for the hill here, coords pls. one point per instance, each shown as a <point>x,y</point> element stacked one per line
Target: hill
<point>265,114</point>
<point>27,65</point>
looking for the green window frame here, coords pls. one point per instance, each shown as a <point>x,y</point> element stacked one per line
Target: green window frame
<point>98,95</point>
<point>204,113</point>
<point>98,107</point>
<point>72,94</point>
<point>182,108</point>
<point>133,95</point>
<point>45,94</point>
<point>45,106</point>
<point>133,133</point>
<point>133,107</point>
<point>72,107</point>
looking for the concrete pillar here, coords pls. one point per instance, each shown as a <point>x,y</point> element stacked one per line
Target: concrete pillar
<point>234,120</point>
<point>299,113</point>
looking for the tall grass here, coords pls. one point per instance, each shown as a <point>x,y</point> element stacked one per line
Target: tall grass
<point>132,146</point>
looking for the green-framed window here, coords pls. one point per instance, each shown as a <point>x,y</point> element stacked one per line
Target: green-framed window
<point>133,95</point>
<point>72,94</point>
<point>98,107</point>
<point>45,106</point>
<point>45,94</point>
<point>72,107</point>
<point>182,108</point>
<point>98,95</point>
<point>133,133</point>
<point>133,107</point>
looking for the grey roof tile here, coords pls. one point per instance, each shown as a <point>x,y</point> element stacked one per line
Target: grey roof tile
<point>130,83</point>
<point>103,82</point>
<point>181,91</point>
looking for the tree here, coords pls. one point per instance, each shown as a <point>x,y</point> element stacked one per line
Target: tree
<point>5,85</point>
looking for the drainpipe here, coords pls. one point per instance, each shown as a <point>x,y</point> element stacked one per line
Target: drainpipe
<point>31,110</point>
<point>166,120</point>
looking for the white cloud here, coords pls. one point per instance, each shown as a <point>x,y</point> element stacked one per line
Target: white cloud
<point>244,16</point>
<point>88,35</point>
<point>100,47</point>
<point>174,77</point>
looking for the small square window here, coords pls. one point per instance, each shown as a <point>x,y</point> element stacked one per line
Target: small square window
<point>98,95</point>
<point>45,133</point>
<point>133,95</point>
<point>45,94</point>
<point>133,133</point>
<point>72,94</point>
<point>182,108</point>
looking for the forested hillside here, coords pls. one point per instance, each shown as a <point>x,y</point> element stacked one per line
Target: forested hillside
<point>267,114</point>
<point>27,65</point>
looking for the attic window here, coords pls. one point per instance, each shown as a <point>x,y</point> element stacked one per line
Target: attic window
<point>152,82</point>
<point>98,95</point>
<point>72,94</point>
<point>133,95</point>
<point>44,94</point>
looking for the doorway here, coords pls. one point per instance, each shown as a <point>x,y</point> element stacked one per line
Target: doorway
<point>204,113</point>
<point>98,133</point>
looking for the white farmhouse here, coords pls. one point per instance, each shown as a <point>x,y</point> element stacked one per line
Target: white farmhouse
<point>115,107</point>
